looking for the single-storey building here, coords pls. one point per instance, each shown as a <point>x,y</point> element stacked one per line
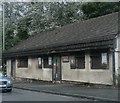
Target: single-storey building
<point>86,51</point>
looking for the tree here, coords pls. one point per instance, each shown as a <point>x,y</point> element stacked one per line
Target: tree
<point>13,12</point>
<point>65,13</point>
<point>47,16</point>
<point>95,9</point>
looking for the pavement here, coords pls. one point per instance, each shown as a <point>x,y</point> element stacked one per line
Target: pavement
<point>93,92</point>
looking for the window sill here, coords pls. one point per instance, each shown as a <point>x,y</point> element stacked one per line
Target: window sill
<point>23,68</point>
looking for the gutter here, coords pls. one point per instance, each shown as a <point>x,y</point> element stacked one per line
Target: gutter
<point>69,48</point>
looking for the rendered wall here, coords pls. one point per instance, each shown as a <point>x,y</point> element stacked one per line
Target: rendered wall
<point>33,72</point>
<point>88,75</point>
<point>8,67</point>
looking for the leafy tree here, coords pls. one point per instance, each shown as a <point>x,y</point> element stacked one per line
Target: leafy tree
<point>65,13</point>
<point>13,12</point>
<point>47,16</point>
<point>95,9</point>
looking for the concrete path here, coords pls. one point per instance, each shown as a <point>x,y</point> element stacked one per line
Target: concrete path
<point>104,93</point>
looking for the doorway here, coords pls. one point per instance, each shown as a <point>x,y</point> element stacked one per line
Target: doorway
<point>56,68</point>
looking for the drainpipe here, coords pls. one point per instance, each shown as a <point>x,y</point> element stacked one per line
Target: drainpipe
<point>113,52</point>
<point>113,63</point>
<point>113,59</point>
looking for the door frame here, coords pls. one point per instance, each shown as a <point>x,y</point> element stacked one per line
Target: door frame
<point>54,75</point>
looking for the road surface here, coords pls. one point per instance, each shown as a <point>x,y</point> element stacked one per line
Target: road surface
<point>25,95</point>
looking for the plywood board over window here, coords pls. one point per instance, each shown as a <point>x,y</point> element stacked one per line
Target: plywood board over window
<point>99,60</point>
<point>77,61</point>
<point>22,62</point>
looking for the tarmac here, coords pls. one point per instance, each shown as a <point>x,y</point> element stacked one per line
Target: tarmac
<point>93,92</point>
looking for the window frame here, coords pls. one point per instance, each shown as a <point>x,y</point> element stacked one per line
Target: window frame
<point>46,62</point>
<point>40,62</point>
<point>75,64</point>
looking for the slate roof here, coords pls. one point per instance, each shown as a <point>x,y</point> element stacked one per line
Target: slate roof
<point>102,29</point>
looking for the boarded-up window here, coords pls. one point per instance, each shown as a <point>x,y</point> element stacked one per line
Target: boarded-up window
<point>47,62</point>
<point>77,61</point>
<point>80,61</point>
<point>23,62</point>
<point>99,60</point>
